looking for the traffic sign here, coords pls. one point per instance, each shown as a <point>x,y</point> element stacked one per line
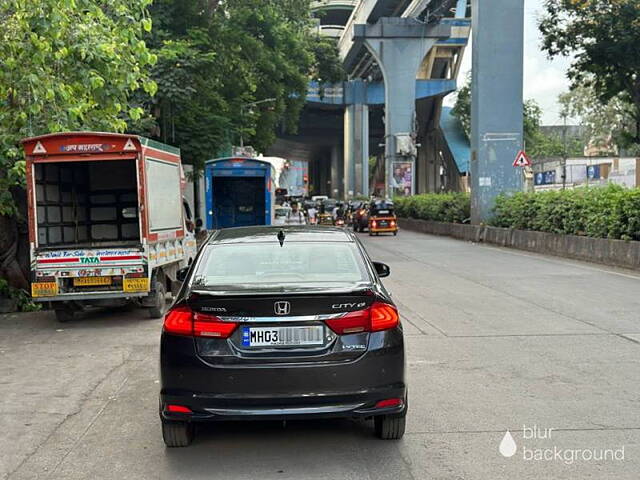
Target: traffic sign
<point>39,148</point>
<point>522,160</point>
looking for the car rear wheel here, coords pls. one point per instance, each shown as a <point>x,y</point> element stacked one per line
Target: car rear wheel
<point>389,427</point>
<point>177,434</point>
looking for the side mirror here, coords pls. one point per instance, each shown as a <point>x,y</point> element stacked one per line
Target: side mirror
<point>382,269</point>
<point>199,223</point>
<point>182,273</point>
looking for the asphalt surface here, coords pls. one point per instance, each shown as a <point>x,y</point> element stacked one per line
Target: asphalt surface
<point>497,340</point>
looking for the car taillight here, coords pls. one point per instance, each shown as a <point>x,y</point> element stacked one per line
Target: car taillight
<point>383,317</point>
<point>393,223</point>
<point>379,316</point>
<point>212,326</point>
<point>183,321</point>
<point>374,223</point>
<point>179,321</point>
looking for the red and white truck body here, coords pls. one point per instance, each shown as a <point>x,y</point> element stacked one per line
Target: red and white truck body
<point>106,216</point>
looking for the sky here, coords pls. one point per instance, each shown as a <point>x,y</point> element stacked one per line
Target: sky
<point>544,79</point>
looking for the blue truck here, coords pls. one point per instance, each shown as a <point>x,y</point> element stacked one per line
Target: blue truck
<point>239,192</point>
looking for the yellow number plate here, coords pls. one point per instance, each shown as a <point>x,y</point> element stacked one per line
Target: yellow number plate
<point>44,289</point>
<point>135,285</point>
<point>91,281</point>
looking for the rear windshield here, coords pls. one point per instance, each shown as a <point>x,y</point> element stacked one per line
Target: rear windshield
<point>264,264</point>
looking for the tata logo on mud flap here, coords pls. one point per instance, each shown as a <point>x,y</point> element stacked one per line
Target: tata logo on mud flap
<point>89,260</point>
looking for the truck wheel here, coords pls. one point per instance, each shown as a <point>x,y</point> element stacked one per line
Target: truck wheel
<point>389,427</point>
<point>65,314</point>
<point>177,434</point>
<point>160,303</point>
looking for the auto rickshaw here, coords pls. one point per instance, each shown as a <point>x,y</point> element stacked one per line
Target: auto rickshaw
<point>324,213</point>
<point>325,218</point>
<point>382,218</point>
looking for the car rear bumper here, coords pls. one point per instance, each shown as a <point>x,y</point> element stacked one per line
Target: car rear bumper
<point>352,406</point>
<point>239,391</point>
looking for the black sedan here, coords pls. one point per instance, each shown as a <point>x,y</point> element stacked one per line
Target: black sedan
<point>282,323</point>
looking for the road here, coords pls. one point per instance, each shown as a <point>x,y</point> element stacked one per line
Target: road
<point>497,340</point>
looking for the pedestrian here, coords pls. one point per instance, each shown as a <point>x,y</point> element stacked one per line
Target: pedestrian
<point>312,212</point>
<point>296,217</point>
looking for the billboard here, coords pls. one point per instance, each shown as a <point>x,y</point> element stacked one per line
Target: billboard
<point>402,179</point>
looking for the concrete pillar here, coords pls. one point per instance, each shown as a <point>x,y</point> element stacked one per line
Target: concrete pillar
<point>496,107</point>
<point>336,187</point>
<point>356,150</point>
<point>399,46</point>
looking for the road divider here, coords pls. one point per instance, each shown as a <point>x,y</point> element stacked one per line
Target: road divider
<point>617,253</point>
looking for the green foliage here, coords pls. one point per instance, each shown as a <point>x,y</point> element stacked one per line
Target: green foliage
<point>602,36</point>
<point>439,207</point>
<point>462,108</point>
<point>66,66</point>
<point>609,212</point>
<point>538,145</point>
<point>216,58</point>
<point>550,145</point>
<point>22,298</point>
<point>606,124</point>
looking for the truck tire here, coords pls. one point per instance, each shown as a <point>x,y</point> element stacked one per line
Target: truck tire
<point>160,303</point>
<point>389,427</point>
<point>65,314</point>
<point>177,434</point>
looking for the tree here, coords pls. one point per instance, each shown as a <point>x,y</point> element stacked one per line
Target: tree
<point>603,37</point>
<point>606,124</point>
<point>66,66</point>
<point>214,60</point>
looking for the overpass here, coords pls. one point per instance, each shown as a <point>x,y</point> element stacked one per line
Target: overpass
<point>402,57</point>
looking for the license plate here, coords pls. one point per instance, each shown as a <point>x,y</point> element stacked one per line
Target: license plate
<point>135,285</point>
<point>383,224</point>
<point>282,336</point>
<point>91,281</point>
<point>44,289</point>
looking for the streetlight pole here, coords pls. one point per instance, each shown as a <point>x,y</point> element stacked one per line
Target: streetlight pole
<point>251,104</point>
<point>564,152</point>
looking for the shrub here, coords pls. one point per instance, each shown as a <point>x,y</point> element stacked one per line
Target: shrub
<point>608,212</point>
<point>439,207</point>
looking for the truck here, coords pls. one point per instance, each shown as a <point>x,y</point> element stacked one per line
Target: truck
<point>108,223</point>
<point>239,191</point>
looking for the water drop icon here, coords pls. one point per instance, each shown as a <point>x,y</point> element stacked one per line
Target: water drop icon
<point>508,446</point>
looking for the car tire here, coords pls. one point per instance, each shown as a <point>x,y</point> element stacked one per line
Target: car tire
<point>160,306</point>
<point>177,434</point>
<point>389,427</point>
<point>395,233</point>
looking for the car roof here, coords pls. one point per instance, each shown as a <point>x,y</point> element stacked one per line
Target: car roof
<point>268,234</point>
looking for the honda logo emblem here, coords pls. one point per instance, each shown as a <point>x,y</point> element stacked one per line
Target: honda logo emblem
<point>282,308</point>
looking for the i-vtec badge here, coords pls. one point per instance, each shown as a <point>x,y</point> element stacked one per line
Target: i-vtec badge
<point>337,306</point>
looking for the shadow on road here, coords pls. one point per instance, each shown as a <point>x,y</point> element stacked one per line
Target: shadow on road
<point>297,449</point>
